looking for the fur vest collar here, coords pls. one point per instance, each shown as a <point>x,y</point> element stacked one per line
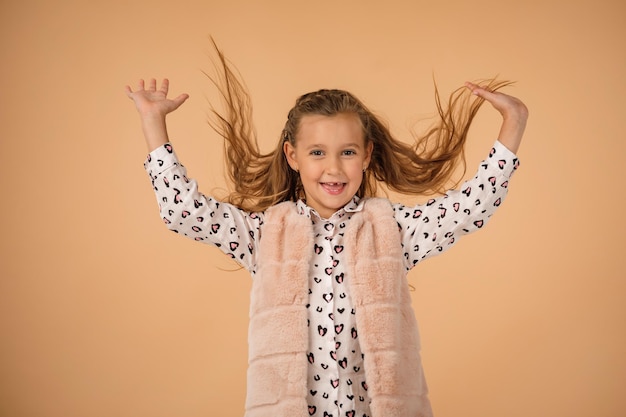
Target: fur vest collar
<point>278,334</point>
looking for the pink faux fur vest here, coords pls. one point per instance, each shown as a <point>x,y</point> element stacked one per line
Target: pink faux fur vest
<point>278,334</point>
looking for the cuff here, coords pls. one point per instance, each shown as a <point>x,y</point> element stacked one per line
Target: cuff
<point>502,158</point>
<point>160,159</point>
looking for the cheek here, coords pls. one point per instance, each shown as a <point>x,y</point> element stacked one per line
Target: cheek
<point>356,168</point>
<point>308,171</point>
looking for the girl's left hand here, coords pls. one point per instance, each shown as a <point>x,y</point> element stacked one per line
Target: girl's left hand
<point>514,114</point>
<point>509,107</point>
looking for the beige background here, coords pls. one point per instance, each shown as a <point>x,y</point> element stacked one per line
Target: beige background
<point>105,313</point>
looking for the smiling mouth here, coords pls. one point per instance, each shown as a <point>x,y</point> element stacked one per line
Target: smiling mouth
<point>333,187</point>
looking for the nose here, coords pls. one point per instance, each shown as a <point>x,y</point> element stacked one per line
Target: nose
<point>333,165</point>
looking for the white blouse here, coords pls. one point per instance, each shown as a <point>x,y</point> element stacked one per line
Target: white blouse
<point>336,378</point>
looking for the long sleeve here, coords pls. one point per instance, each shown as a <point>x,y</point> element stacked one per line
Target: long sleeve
<point>190,213</point>
<point>431,228</point>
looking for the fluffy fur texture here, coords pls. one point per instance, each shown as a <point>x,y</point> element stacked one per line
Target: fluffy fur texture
<point>278,335</point>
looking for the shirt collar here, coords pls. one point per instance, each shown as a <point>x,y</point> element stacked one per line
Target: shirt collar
<point>353,206</point>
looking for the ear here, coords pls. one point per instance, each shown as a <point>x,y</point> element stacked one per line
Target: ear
<point>290,154</point>
<point>369,149</point>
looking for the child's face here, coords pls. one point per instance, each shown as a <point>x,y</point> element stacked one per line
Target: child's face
<point>330,153</point>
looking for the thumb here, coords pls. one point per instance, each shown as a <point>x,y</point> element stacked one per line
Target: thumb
<point>178,101</point>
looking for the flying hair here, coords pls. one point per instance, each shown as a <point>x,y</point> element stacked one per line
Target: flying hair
<point>260,180</point>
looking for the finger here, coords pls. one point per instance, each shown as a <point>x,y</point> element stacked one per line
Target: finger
<point>165,86</point>
<point>129,91</point>
<point>152,84</point>
<point>141,85</point>
<point>474,88</point>
<point>480,91</point>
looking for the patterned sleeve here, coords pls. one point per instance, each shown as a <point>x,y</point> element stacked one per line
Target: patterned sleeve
<point>431,228</point>
<point>190,213</point>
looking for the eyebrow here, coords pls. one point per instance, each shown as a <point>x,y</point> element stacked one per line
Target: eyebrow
<point>347,145</point>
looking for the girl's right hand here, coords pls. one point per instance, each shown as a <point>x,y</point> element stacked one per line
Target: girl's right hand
<point>151,102</point>
<point>153,105</point>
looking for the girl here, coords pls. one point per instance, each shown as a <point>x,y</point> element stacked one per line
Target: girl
<point>332,331</point>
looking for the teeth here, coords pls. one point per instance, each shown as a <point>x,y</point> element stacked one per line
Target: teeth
<point>333,187</point>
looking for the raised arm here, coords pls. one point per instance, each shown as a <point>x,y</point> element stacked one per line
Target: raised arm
<point>153,105</point>
<point>514,115</point>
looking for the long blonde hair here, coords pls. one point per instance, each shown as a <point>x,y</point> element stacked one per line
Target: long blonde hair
<point>261,180</point>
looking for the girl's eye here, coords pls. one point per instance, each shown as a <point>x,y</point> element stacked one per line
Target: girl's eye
<point>349,152</point>
<point>316,153</point>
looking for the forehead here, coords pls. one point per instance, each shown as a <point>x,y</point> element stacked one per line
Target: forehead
<point>339,127</point>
